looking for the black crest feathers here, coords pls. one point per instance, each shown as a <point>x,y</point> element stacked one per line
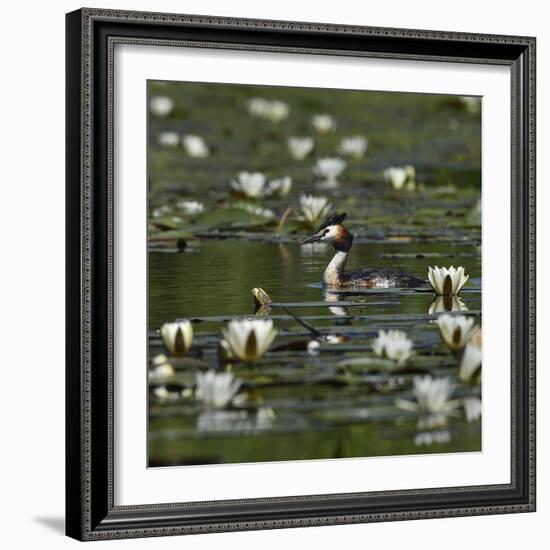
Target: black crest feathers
<point>333,219</point>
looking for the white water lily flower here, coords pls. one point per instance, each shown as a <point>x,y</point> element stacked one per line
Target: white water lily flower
<point>249,339</point>
<point>401,177</point>
<point>300,147</point>
<point>447,282</point>
<point>216,389</point>
<point>160,368</point>
<point>163,394</point>
<point>160,211</point>
<point>280,186</point>
<point>455,330</point>
<point>257,106</point>
<point>168,139</point>
<point>355,146</point>
<point>394,345</point>
<point>396,176</point>
<point>432,400</point>
<point>224,351</point>
<point>192,208</point>
<point>472,408</point>
<point>442,304</point>
<point>177,336</point>
<point>472,104</point>
<point>313,347</point>
<point>314,208</point>
<point>329,168</point>
<point>323,123</point>
<point>272,110</point>
<point>277,110</point>
<point>470,363</point>
<point>251,184</point>
<point>195,146</point>
<point>161,106</point>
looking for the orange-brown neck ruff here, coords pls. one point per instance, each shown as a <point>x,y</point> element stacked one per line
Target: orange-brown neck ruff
<point>343,240</point>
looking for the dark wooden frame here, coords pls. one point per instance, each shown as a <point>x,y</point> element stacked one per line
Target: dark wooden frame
<point>91,36</point>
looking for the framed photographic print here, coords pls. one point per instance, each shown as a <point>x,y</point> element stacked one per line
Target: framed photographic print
<point>300,274</point>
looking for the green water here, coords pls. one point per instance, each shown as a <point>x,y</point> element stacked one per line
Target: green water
<point>341,402</point>
<point>320,414</point>
<point>217,277</point>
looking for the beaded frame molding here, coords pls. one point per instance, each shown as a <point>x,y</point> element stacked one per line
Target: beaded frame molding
<point>91,37</point>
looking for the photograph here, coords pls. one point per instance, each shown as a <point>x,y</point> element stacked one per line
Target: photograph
<point>314,273</point>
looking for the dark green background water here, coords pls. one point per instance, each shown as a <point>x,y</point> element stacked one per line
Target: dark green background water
<point>204,269</point>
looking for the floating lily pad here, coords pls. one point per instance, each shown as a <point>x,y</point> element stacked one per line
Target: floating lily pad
<point>224,218</point>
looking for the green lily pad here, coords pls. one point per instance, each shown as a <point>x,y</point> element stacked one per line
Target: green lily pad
<point>228,218</point>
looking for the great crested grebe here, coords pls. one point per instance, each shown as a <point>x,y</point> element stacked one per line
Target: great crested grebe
<point>332,231</point>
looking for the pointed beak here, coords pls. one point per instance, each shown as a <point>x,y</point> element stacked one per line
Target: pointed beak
<point>312,239</point>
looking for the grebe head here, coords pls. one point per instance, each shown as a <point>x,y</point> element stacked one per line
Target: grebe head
<point>332,231</point>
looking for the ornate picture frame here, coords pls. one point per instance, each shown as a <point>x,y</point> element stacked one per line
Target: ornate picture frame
<point>92,35</point>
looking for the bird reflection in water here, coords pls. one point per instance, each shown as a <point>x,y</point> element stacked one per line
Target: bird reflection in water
<point>339,310</point>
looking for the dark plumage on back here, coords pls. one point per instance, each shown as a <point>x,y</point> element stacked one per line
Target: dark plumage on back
<point>333,219</point>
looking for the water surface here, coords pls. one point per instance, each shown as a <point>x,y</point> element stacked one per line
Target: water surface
<point>340,402</point>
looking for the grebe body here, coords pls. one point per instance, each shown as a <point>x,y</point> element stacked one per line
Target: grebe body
<point>332,230</point>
